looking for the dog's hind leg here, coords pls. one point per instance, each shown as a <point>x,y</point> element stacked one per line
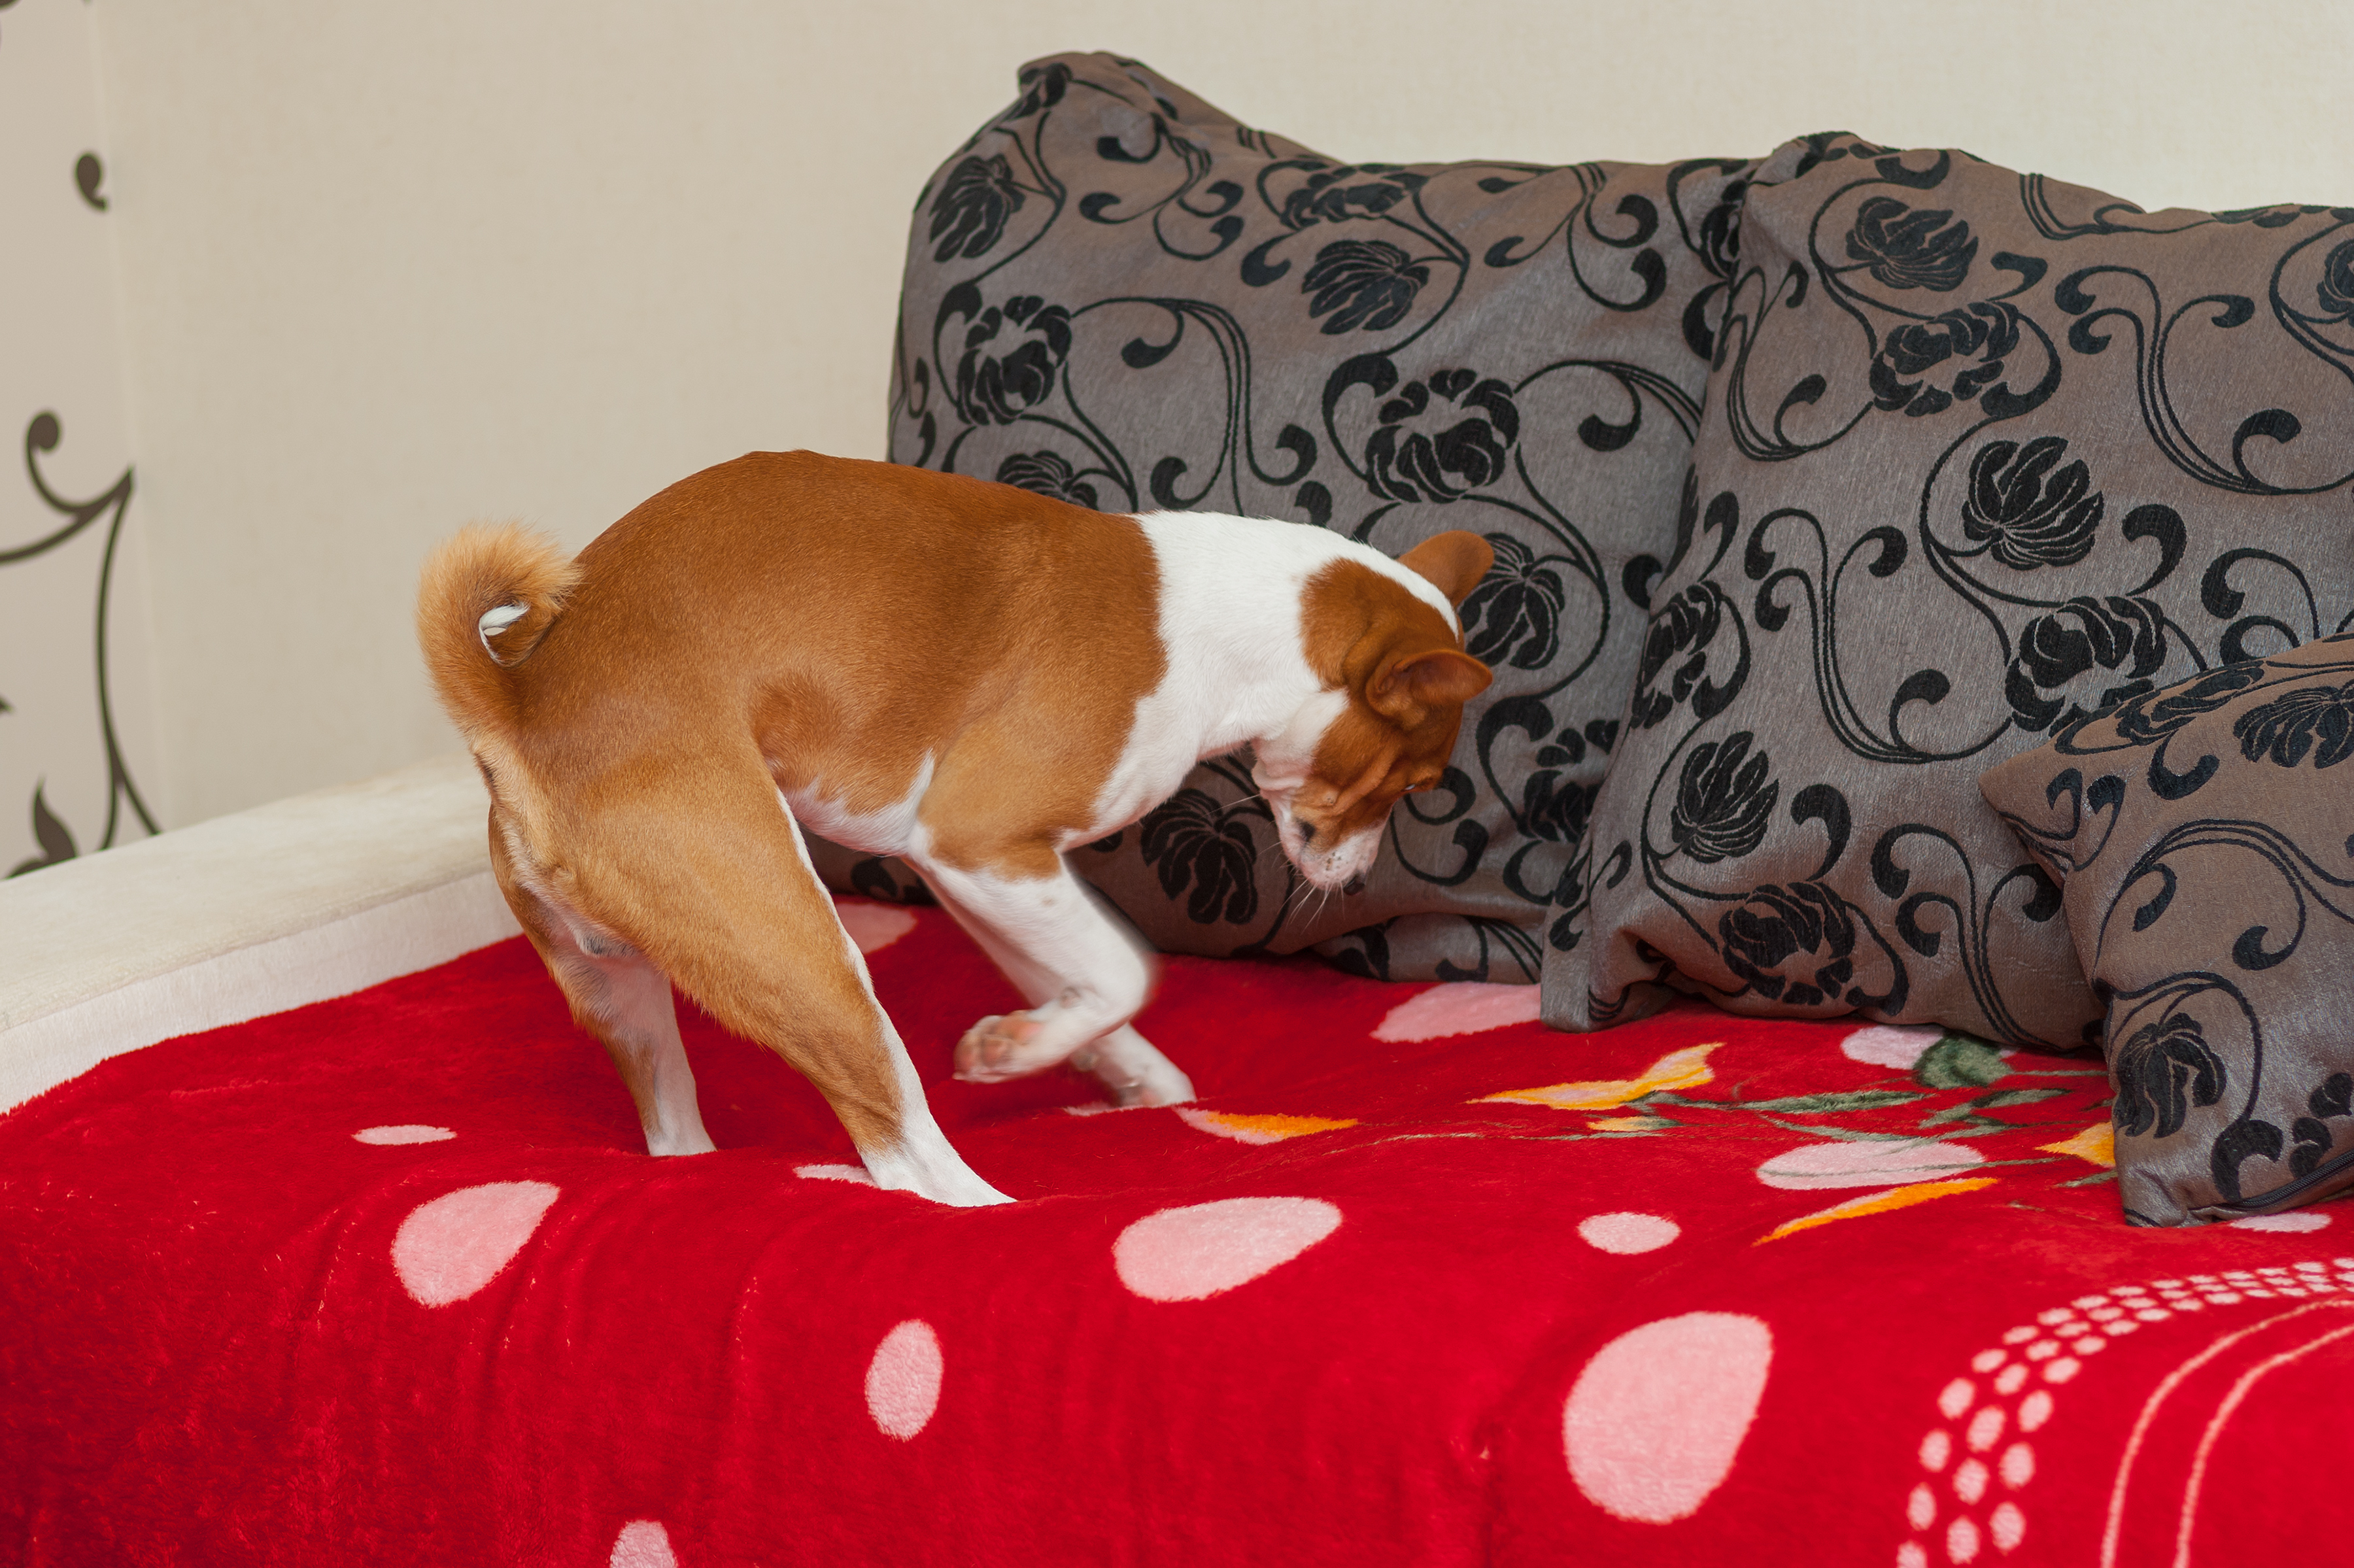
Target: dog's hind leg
<point>619,996</point>
<point>697,860</point>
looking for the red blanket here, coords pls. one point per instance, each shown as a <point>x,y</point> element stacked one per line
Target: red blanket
<point>390,1279</point>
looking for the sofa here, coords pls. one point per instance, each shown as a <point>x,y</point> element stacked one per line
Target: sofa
<point>1847,1069</point>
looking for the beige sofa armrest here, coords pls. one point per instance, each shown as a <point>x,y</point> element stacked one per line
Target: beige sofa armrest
<point>291,902</point>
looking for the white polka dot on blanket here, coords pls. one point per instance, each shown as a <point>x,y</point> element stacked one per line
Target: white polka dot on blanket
<point>1898,1045</point>
<point>835,1173</point>
<point>643,1543</point>
<point>1657,1417</point>
<point>449,1249</point>
<point>902,1380</point>
<point>873,926</point>
<point>1866,1164</point>
<point>1628,1234</point>
<point>1459,1006</point>
<point>1195,1251</point>
<point>2302,1220</point>
<point>411,1133</point>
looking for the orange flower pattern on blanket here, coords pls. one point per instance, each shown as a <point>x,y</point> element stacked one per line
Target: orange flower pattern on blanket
<point>1902,1140</point>
<point>1259,1128</point>
<point>1878,1204</point>
<point>2097,1143</point>
<point>1684,1069</point>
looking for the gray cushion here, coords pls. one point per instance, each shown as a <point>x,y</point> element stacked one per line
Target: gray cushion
<point>2201,836</point>
<point>1119,294</point>
<point>1984,453</point>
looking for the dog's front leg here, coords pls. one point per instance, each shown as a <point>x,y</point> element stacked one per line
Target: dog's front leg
<point>1084,976</point>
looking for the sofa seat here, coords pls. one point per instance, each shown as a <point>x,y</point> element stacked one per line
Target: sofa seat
<point>389,1278</point>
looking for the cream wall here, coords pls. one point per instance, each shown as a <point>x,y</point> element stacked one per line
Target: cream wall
<point>388,268</point>
<point>77,767</point>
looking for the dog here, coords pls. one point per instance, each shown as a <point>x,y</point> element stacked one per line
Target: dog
<point>968,675</point>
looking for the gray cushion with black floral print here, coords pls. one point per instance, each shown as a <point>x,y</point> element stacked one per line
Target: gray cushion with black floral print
<point>2201,836</point>
<point>1118,295</point>
<point>1984,454</point>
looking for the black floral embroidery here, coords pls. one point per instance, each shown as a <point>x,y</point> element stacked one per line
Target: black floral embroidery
<point>1719,232</point>
<point>2335,1098</point>
<point>2162,1070</point>
<point>886,878</point>
<point>1041,88</point>
<point>1408,461</point>
<point>1682,628</point>
<point>2213,900</point>
<point>1190,838</point>
<point>1979,334</point>
<point>2152,716</point>
<point>2284,729</point>
<point>1717,240</point>
<point>1775,925</point>
<point>1919,600</point>
<point>1910,250</point>
<point>968,214</point>
<point>1330,196</point>
<point>2029,512</point>
<point>2248,1137</point>
<point>1551,808</point>
<point>1048,473</point>
<point>1367,283</point>
<point>2336,290</point>
<point>1514,615</point>
<point>1000,389</point>
<point>2119,635</point>
<point>1723,800</point>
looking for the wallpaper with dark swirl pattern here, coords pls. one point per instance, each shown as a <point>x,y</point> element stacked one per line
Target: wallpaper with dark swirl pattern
<point>70,518</point>
<point>73,707</point>
<point>2202,837</point>
<point>1119,295</point>
<point>1984,454</point>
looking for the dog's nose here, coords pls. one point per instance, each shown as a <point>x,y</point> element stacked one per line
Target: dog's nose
<point>1354,885</point>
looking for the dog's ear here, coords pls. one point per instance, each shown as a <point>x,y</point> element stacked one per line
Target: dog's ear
<point>1406,689</point>
<point>1454,561</point>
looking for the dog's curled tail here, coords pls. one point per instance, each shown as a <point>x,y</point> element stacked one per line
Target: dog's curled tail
<point>486,599</point>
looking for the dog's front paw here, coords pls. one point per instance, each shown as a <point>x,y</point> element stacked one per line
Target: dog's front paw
<point>1132,1073</point>
<point>998,1048</point>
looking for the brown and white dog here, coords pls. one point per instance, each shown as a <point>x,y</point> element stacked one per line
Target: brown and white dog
<point>965,674</point>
